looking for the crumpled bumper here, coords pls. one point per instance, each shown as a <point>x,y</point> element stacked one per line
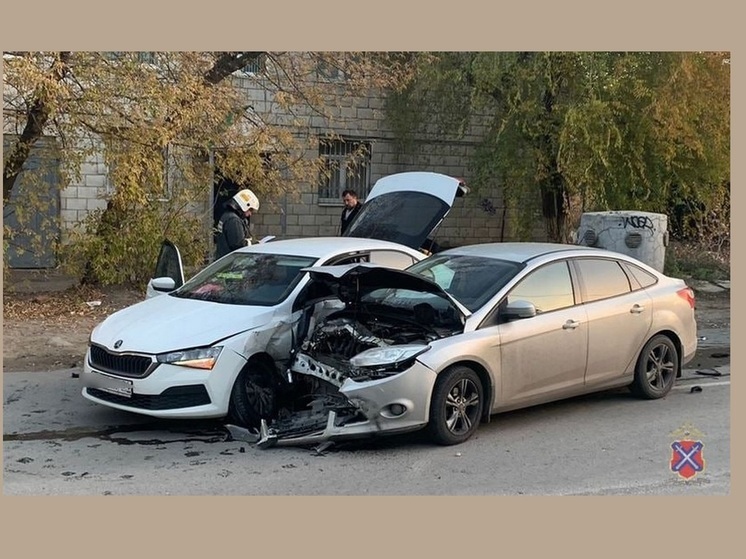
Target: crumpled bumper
<point>395,404</point>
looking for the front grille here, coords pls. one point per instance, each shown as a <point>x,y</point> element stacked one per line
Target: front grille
<point>171,398</point>
<point>124,364</point>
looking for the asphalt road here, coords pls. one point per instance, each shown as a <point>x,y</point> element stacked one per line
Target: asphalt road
<point>57,443</point>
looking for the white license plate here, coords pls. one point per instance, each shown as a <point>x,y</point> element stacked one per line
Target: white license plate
<point>121,387</point>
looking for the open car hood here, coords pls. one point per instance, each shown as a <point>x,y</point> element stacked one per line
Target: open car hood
<point>406,207</point>
<point>351,282</point>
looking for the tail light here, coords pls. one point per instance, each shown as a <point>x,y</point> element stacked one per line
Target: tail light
<point>687,294</point>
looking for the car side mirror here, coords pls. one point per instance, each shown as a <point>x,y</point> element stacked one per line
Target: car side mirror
<point>518,309</point>
<point>163,284</point>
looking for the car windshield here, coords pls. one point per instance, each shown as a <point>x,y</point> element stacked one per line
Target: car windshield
<point>247,279</point>
<point>471,280</point>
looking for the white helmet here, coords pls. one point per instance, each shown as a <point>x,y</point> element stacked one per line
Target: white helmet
<point>246,199</point>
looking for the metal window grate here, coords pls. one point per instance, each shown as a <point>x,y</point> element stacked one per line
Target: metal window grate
<point>256,66</point>
<point>346,166</point>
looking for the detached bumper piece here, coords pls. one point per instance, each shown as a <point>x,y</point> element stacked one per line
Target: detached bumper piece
<point>308,427</point>
<point>271,436</point>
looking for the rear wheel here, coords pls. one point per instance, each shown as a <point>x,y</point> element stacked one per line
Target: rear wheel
<point>456,406</point>
<point>656,368</point>
<point>254,396</point>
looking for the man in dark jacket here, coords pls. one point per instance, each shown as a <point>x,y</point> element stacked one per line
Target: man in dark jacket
<point>232,230</point>
<point>351,209</point>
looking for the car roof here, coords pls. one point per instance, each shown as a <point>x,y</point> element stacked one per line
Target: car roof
<point>319,247</point>
<point>523,251</point>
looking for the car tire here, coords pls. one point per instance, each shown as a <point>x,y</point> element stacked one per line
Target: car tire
<point>656,369</point>
<point>254,397</point>
<point>456,406</point>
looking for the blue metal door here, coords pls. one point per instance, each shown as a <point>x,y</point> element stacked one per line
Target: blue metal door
<point>32,214</point>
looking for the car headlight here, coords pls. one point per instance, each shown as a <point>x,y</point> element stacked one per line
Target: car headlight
<point>199,358</point>
<point>394,357</point>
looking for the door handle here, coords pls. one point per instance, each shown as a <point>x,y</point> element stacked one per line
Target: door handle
<point>637,309</point>
<point>570,325</point>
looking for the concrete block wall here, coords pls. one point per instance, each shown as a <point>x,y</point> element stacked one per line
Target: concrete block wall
<point>85,194</point>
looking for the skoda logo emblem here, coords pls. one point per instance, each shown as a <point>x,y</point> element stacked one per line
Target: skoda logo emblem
<point>118,344</point>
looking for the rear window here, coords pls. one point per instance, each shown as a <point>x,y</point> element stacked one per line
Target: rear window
<point>402,217</point>
<point>640,276</point>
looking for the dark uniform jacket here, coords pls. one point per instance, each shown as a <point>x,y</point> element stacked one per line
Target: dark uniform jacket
<point>345,221</point>
<point>231,232</point>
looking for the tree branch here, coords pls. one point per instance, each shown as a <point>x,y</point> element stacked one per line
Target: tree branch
<point>227,63</point>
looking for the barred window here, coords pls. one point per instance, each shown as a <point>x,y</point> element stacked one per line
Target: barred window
<point>346,165</point>
<point>147,57</point>
<point>143,57</point>
<point>256,66</point>
<point>328,71</point>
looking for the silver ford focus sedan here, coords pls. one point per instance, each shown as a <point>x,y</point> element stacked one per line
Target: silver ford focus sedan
<point>473,331</point>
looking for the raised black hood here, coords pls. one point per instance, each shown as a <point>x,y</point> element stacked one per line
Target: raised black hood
<point>406,208</point>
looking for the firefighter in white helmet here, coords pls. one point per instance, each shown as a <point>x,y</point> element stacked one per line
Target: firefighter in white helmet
<point>232,230</point>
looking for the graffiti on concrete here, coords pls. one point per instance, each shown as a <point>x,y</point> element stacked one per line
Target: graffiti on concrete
<point>639,222</point>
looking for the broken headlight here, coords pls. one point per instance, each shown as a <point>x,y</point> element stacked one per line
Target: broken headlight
<point>391,358</point>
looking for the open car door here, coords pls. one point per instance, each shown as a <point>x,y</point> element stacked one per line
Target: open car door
<point>169,271</point>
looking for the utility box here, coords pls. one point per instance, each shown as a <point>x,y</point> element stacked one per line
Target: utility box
<point>642,235</point>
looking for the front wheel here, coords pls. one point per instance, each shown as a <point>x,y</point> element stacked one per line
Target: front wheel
<point>254,397</point>
<point>456,406</point>
<point>656,368</point>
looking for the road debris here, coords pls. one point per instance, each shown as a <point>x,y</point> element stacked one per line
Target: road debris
<point>709,372</point>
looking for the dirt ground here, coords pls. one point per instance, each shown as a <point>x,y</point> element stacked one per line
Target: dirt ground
<point>44,331</point>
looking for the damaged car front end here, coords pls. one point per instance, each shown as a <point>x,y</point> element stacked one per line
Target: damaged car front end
<point>360,364</point>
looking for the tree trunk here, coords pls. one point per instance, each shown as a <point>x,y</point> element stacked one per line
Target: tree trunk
<point>36,119</point>
<point>553,191</point>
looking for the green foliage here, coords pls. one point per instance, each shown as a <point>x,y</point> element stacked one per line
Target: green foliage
<point>587,131</point>
<point>120,245</point>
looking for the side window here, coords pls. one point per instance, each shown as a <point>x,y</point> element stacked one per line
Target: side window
<point>391,259</point>
<point>549,288</point>
<point>643,278</point>
<point>602,278</point>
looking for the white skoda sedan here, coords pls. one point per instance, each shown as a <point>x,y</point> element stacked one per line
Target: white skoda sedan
<point>219,345</point>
